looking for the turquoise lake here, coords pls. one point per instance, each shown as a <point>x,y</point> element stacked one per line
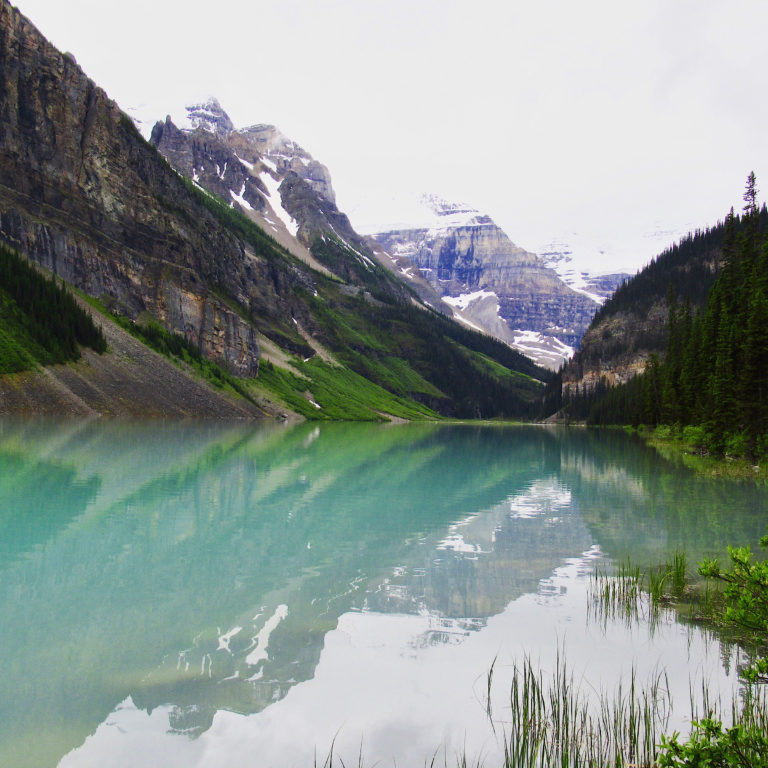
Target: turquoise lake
<point>207,594</point>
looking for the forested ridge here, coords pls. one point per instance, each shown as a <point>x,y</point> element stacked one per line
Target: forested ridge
<point>40,321</point>
<point>689,267</point>
<point>712,377</point>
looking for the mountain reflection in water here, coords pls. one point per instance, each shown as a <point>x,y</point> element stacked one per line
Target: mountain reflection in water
<point>190,569</point>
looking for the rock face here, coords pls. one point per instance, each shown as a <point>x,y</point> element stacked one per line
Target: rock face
<point>478,270</point>
<point>202,155</point>
<point>273,181</point>
<point>83,194</point>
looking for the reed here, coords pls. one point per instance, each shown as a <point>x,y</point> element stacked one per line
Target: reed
<point>629,593</point>
<point>679,573</point>
<point>551,722</point>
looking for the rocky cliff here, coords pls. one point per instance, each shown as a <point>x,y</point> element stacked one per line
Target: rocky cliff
<point>493,283</point>
<point>84,195</point>
<point>271,179</point>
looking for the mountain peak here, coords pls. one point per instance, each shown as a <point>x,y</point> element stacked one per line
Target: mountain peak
<point>287,155</point>
<point>208,115</point>
<point>442,207</point>
<point>273,142</point>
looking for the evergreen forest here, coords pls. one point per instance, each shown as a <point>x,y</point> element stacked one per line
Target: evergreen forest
<point>711,379</point>
<point>40,321</point>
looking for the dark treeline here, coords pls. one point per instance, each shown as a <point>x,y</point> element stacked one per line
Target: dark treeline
<point>689,266</point>
<point>45,312</point>
<point>714,375</point>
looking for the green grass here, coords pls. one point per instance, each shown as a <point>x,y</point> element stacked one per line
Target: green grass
<point>552,722</point>
<point>341,393</point>
<point>626,589</point>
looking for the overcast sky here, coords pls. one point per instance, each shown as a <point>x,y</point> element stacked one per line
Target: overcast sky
<point>600,119</point>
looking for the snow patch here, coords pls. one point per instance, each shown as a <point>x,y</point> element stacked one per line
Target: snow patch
<point>534,341</point>
<point>261,640</point>
<point>273,188</point>
<point>465,299</point>
<point>225,638</point>
<point>269,164</point>
<point>240,199</point>
<point>248,165</point>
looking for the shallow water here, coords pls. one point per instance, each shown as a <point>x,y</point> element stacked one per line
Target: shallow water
<point>200,594</point>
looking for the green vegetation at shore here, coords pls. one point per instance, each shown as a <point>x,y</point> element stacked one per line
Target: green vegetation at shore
<point>731,601</point>
<point>687,446</point>
<point>40,321</point>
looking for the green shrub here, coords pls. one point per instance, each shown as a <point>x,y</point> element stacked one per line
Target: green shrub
<point>737,444</point>
<point>746,595</point>
<point>694,435</point>
<point>712,746</point>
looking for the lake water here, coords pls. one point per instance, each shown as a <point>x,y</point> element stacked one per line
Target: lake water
<point>200,594</point>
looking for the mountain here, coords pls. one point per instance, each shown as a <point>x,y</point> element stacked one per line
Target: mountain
<point>633,325</point>
<point>492,283</point>
<point>708,384</point>
<point>320,327</point>
<point>270,179</point>
<point>570,258</point>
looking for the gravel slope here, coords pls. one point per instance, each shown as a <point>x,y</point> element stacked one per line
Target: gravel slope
<point>129,380</point>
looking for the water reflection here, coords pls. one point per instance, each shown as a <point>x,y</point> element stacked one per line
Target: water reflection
<point>195,568</point>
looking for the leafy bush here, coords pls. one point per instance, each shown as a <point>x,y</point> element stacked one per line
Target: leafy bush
<point>737,444</point>
<point>694,435</point>
<point>746,595</point>
<point>712,746</point>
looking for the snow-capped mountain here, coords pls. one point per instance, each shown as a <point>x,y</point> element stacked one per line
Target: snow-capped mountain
<point>455,252</point>
<point>270,178</point>
<point>598,265</point>
<point>573,261</point>
<point>491,283</point>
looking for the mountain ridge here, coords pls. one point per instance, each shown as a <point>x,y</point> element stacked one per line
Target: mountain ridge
<point>497,286</point>
<point>84,195</point>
